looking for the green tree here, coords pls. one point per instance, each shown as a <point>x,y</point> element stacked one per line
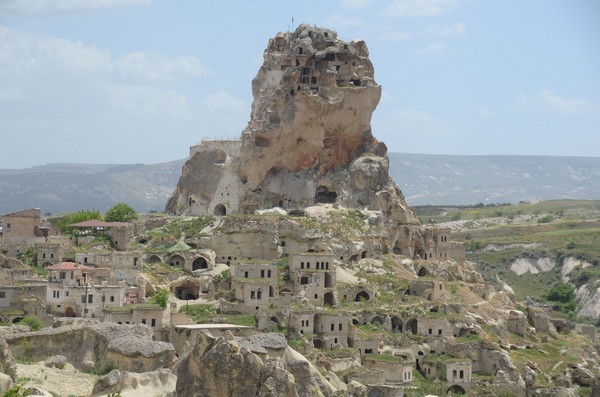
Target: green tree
<point>562,293</point>
<point>120,212</point>
<point>161,298</point>
<point>76,217</point>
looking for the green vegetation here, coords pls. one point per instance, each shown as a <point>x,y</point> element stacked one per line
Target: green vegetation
<point>161,298</point>
<point>32,322</point>
<point>202,313</point>
<point>76,217</point>
<point>120,212</point>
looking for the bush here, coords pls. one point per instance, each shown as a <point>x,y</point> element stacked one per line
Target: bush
<point>33,322</point>
<point>76,217</point>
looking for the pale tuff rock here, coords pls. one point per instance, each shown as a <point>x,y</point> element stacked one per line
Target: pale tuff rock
<point>225,366</point>
<point>308,141</point>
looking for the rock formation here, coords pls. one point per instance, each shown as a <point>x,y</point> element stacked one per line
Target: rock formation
<point>262,366</point>
<point>308,141</point>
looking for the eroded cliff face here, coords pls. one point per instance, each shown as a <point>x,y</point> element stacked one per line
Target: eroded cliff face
<point>308,140</point>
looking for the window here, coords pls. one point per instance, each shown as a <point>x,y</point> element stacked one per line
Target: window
<point>462,374</point>
<point>301,265</point>
<point>454,373</point>
<point>245,274</point>
<point>2,294</point>
<point>90,298</point>
<point>52,256</point>
<point>340,327</point>
<point>430,331</point>
<point>112,298</point>
<point>307,323</point>
<point>8,227</point>
<point>259,294</point>
<point>66,293</point>
<point>262,274</point>
<point>153,322</point>
<point>44,255</point>
<point>332,327</point>
<point>143,321</point>
<point>268,273</point>
<point>252,294</point>
<point>316,296</point>
<point>302,323</point>
<point>439,331</point>
<point>82,298</point>
<point>308,265</point>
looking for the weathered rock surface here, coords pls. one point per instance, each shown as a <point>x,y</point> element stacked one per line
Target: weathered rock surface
<point>129,347</point>
<point>308,141</point>
<point>129,384</point>
<point>224,367</point>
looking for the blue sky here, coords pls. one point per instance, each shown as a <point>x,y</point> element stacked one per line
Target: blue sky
<point>139,81</point>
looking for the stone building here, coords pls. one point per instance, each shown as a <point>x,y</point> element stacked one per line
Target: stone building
<point>150,315</point>
<point>124,265</point>
<point>76,290</point>
<point>428,289</point>
<point>331,330</point>
<point>314,277</point>
<point>255,284</point>
<point>456,372</point>
<point>48,254</point>
<point>19,230</point>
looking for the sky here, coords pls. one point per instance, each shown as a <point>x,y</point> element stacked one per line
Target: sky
<point>140,81</point>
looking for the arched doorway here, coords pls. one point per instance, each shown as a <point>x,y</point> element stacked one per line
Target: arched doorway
<point>456,389</point>
<point>375,392</point>
<point>328,299</point>
<point>396,324</point>
<point>362,296</point>
<point>69,312</point>
<point>220,210</point>
<point>199,263</point>
<point>423,272</point>
<point>411,326</point>
<point>154,259</point>
<point>377,320</point>
<point>177,260</point>
<point>324,196</point>
<point>318,344</point>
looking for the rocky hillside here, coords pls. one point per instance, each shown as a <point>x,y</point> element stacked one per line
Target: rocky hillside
<point>423,178</point>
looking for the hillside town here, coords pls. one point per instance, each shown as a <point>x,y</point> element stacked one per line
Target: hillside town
<point>290,265</point>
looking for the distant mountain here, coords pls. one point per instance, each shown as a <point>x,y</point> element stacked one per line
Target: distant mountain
<point>445,179</point>
<point>58,188</point>
<point>423,178</point>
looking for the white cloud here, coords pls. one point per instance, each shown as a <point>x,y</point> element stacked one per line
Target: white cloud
<point>418,8</point>
<point>482,110</point>
<point>150,102</point>
<point>12,94</point>
<point>458,29</point>
<point>158,67</point>
<point>434,48</point>
<point>546,101</point>
<point>355,4</point>
<point>340,22</point>
<point>40,7</point>
<point>21,53</point>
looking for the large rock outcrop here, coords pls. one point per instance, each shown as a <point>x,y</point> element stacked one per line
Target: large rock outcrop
<point>262,365</point>
<point>308,141</point>
<point>92,346</point>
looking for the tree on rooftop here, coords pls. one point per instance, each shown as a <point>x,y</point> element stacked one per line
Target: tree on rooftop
<point>120,212</point>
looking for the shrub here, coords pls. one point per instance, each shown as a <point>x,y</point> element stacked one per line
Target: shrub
<point>33,322</point>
